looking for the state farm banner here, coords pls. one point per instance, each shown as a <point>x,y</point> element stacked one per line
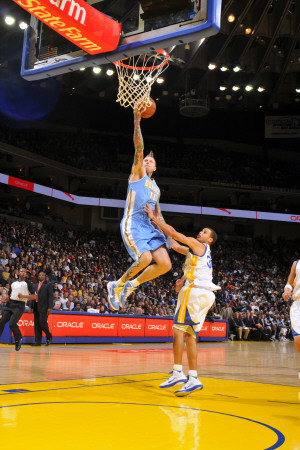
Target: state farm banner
<point>282,127</point>
<point>93,325</point>
<point>80,23</point>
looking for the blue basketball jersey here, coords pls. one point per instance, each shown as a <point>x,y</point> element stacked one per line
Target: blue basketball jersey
<point>138,194</point>
<point>138,233</point>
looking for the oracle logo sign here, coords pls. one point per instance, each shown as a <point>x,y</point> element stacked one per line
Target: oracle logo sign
<point>26,323</point>
<point>69,324</point>
<point>214,328</point>
<point>131,326</point>
<point>295,218</point>
<point>104,325</point>
<point>157,327</point>
<point>80,23</point>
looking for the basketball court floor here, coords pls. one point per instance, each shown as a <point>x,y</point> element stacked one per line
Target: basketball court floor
<point>108,397</point>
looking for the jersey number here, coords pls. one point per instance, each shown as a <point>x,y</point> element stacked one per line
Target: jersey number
<point>152,196</point>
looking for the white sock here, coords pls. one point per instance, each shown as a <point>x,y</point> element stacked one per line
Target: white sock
<point>134,283</point>
<point>177,367</point>
<point>193,373</point>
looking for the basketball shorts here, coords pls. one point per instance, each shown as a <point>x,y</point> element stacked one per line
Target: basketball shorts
<point>295,317</point>
<point>192,306</point>
<point>140,237</point>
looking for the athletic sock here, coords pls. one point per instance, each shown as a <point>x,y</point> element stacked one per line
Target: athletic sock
<point>193,373</point>
<point>177,367</point>
<point>134,283</point>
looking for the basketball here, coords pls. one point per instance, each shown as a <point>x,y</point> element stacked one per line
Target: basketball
<point>150,110</point>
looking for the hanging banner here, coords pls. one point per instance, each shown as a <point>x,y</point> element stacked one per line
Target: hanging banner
<point>77,21</point>
<point>282,127</point>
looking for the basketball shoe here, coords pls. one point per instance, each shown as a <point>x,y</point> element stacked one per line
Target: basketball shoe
<point>113,293</point>
<point>175,378</point>
<point>192,384</point>
<point>127,289</point>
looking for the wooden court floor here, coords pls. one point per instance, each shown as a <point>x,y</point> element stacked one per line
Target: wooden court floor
<point>108,396</point>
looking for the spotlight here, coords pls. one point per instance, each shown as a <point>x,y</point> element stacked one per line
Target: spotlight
<point>148,79</point>
<point>260,89</point>
<point>82,69</point>
<point>160,80</point>
<point>109,72</point>
<point>224,68</point>
<point>9,20</point>
<point>297,90</point>
<point>237,69</point>
<point>249,88</point>
<point>23,25</point>
<point>222,88</point>
<point>231,18</point>
<point>212,66</point>
<point>248,30</point>
<point>135,76</point>
<point>96,69</point>
<point>235,88</point>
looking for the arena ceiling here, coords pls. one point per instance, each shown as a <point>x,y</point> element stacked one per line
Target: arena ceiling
<point>256,58</point>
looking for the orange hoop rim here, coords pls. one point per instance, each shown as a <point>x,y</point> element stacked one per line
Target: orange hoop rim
<point>161,51</point>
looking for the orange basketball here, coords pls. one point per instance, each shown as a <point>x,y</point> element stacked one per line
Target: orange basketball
<point>150,110</point>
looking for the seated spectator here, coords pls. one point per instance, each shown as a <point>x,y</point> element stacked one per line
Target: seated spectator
<point>57,306</point>
<point>240,329</point>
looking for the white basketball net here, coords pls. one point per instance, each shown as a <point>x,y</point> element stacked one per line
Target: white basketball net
<point>136,76</point>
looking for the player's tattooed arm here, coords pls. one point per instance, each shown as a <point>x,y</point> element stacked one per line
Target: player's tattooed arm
<point>138,144</point>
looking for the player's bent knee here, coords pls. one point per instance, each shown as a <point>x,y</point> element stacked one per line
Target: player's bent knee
<point>165,266</point>
<point>146,259</point>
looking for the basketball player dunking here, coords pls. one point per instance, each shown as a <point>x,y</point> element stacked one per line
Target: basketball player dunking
<point>294,279</point>
<point>195,298</point>
<point>142,240</point>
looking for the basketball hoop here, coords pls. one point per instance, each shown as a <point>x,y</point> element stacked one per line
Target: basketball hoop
<point>136,76</point>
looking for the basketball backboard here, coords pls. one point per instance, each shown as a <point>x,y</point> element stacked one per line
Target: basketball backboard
<point>146,26</point>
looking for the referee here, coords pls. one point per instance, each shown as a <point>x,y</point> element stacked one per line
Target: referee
<point>20,291</point>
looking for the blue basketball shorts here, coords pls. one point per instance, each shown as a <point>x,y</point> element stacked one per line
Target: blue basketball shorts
<point>140,237</point>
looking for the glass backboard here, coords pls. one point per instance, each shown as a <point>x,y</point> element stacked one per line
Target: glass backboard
<point>146,26</point>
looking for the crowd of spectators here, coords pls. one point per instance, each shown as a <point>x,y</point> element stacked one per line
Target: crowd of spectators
<point>251,273</point>
<point>94,151</point>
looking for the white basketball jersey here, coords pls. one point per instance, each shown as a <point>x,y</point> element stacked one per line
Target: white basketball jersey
<point>296,290</point>
<point>19,287</point>
<point>198,270</point>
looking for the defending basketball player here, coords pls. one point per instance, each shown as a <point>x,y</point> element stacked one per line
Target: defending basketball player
<point>294,280</point>
<point>142,240</point>
<point>195,298</point>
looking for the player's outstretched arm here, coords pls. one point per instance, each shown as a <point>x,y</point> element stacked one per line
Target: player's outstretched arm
<point>138,171</point>
<point>287,293</point>
<point>192,243</point>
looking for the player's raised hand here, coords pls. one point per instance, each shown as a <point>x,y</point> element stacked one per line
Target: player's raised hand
<point>149,211</point>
